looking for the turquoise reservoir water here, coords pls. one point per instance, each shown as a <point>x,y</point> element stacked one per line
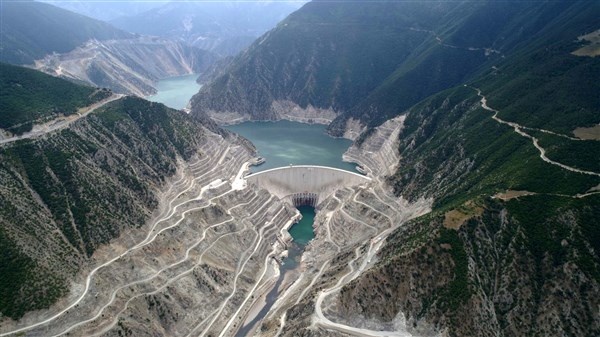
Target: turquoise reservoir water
<point>176,92</point>
<point>283,142</point>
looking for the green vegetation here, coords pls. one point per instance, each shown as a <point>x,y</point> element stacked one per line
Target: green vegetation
<point>317,56</point>
<point>24,285</point>
<point>545,233</point>
<point>582,154</point>
<point>30,30</point>
<point>85,183</point>
<point>448,136</point>
<point>457,291</point>
<point>28,96</point>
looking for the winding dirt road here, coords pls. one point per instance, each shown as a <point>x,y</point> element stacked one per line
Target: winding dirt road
<point>519,129</point>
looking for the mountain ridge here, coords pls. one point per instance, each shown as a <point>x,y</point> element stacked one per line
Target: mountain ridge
<point>23,43</point>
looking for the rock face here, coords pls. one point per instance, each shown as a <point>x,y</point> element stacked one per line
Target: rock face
<point>130,66</point>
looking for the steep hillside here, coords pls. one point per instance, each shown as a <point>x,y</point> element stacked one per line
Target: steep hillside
<point>222,27</point>
<point>28,96</point>
<point>317,59</point>
<point>513,231</point>
<point>31,30</point>
<point>129,66</point>
<point>491,33</point>
<point>67,193</point>
<point>524,267</point>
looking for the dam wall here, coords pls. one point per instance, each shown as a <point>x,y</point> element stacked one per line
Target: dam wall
<point>305,184</point>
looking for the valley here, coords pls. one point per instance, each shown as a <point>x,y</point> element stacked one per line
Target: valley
<point>204,240</point>
<point>322,168</point>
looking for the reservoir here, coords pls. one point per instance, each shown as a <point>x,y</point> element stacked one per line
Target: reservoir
<point>283,142</point>
<point>176,92</point>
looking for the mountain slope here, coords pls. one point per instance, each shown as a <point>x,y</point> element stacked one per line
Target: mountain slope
<point>222,27</point>
<point>67,193</point>
<point>511,233</point>
<point>28,96</point>
<point>317,57</point>
<point>30,30</point>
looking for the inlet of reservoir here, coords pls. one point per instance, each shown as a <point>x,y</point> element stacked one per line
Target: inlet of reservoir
<point>175,92</point>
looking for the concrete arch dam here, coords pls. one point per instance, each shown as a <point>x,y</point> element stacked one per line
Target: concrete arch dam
<point>305,184</point>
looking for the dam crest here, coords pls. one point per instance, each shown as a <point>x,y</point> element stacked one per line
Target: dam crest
<point>305,184</point>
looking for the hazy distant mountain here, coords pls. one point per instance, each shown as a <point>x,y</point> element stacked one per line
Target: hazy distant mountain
<point>107,10</point>
<point>31,30</point>
<point>224,27</point>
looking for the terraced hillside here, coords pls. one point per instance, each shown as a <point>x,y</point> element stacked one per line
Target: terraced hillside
<point>127,66</point>
<point>65,193</point>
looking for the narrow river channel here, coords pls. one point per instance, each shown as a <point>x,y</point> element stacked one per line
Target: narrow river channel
<point>302,232</point>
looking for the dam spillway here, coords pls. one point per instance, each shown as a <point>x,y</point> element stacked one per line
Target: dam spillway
<point>305,184</point>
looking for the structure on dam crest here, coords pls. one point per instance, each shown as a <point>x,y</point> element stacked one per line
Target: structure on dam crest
<point>305,184</point>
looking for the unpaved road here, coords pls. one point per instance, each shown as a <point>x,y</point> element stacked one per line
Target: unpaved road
<point>61,122</point>
<point>519,129</point>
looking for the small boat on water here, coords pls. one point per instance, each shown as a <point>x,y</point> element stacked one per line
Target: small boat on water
<point>258,161</point>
